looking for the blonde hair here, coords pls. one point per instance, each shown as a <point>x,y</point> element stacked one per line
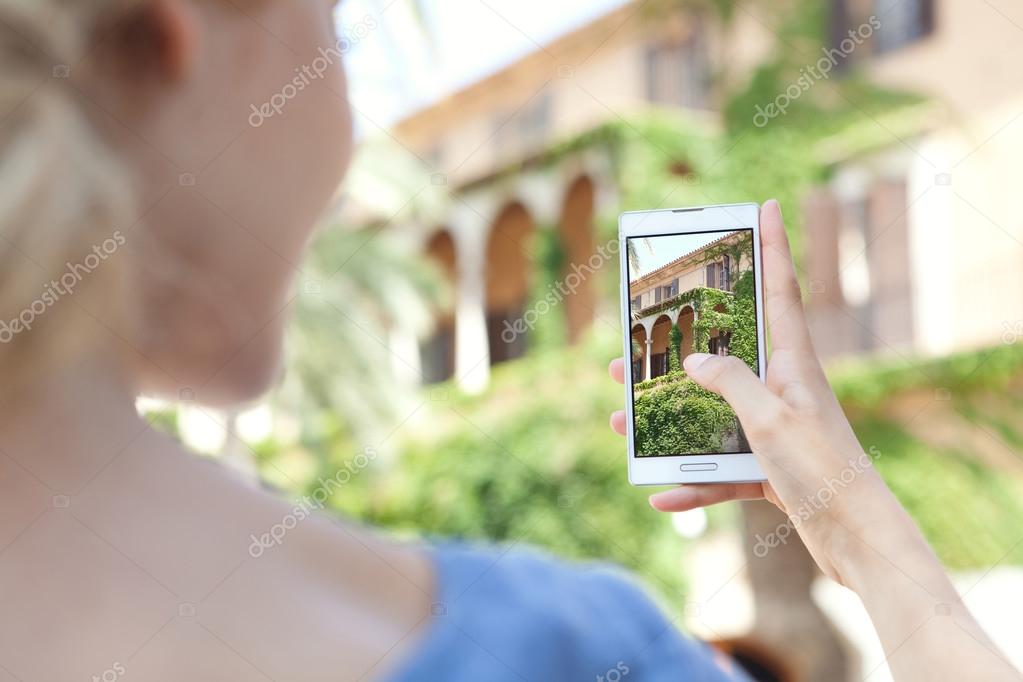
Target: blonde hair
<point>63,191</point>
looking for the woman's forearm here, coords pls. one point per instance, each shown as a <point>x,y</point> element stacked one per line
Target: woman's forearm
<point>864,538</point>
<point>926,630</point>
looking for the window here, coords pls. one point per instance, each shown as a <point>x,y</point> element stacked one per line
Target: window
<point>521,130</point>
<point>434,156</point>
<point>882,26</point>
<point>719,344</point>
<point>534,119</point>
<point>877,283</point>
<point>677,73</point>
<point>671,289</point>
<point>902,22</point>
<point>657,294</point>
<point>637,303</point>
<point>658,365</point>
<point>712,275</point>
<point>719,275</point>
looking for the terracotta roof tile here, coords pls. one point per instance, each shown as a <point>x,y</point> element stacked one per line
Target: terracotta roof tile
<point>685,256</point>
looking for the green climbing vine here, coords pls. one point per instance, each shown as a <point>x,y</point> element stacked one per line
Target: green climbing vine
<point>548,255</point>
<point>674,349</point>
<point>680,416</point>
<point>743,343</point>
<point>700,298</point>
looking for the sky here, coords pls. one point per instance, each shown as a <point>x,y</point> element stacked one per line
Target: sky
<point>656,252</point>
<point>398,63</point>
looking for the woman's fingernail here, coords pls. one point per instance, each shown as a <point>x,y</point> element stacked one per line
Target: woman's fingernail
<point>657,498</point>
<point>694,360</point>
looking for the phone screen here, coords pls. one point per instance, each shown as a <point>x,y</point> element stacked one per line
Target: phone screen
<point>688,293</point>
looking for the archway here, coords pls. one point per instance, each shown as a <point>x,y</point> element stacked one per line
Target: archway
<point>578,271</point>
<point>437,353</point>
<point>638,353</point>
<point>660,337</point>
<point>508,276</point>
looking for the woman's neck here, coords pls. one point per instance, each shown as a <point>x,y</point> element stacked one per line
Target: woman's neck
<point>188,534</point>
<point>68,424</point>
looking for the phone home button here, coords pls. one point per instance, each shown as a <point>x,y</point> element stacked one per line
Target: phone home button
<point>699,466</point>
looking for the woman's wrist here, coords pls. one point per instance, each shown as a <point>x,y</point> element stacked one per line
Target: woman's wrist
<point>862,522</point>
<point>882,540</point>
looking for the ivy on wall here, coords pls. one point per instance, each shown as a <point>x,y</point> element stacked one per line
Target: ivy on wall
<point>709,320</point>
<point>743,343</point>
<point>739,318</point>
<point>547,254</point>
<point>674,349</point>
<point>700,298</point>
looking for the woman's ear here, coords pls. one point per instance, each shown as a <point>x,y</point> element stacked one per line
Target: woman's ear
<point>159,40</point>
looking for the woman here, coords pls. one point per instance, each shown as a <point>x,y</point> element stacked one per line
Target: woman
<point>152,229</point>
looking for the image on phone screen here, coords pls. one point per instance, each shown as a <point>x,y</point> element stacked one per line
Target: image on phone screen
<point>688,293</point>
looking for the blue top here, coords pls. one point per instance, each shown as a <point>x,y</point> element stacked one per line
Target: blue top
<point>520,616</point>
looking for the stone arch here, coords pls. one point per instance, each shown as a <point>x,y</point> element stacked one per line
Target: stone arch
<point>639,336</point>
<point>648,324</point>
<point>660,341</point>
<point>508,280</point>
<point>437,353</point>
<point>440,249</point>
<point>575,232</point>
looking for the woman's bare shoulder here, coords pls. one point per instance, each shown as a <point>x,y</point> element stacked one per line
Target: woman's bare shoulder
<point>170,567</point>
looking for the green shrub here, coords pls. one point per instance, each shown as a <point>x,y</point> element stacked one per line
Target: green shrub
<point>531,462</point>
<point>668,378</point>
<point>680,416</point>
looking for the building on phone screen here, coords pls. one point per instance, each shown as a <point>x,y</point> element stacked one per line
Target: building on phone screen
<point>666,303</point>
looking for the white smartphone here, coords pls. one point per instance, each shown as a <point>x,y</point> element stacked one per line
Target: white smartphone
<point>691,282</point>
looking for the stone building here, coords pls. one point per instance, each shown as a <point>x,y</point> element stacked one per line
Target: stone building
<point>917,223</point>
<point>671,296</point>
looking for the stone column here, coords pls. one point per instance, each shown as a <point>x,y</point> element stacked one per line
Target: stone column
<point>646,358</point>
<point>405,360</point>
<point>472,348</point>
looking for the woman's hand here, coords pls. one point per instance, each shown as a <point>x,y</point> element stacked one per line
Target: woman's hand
<point>820,476</point>
<point>817,472</point>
